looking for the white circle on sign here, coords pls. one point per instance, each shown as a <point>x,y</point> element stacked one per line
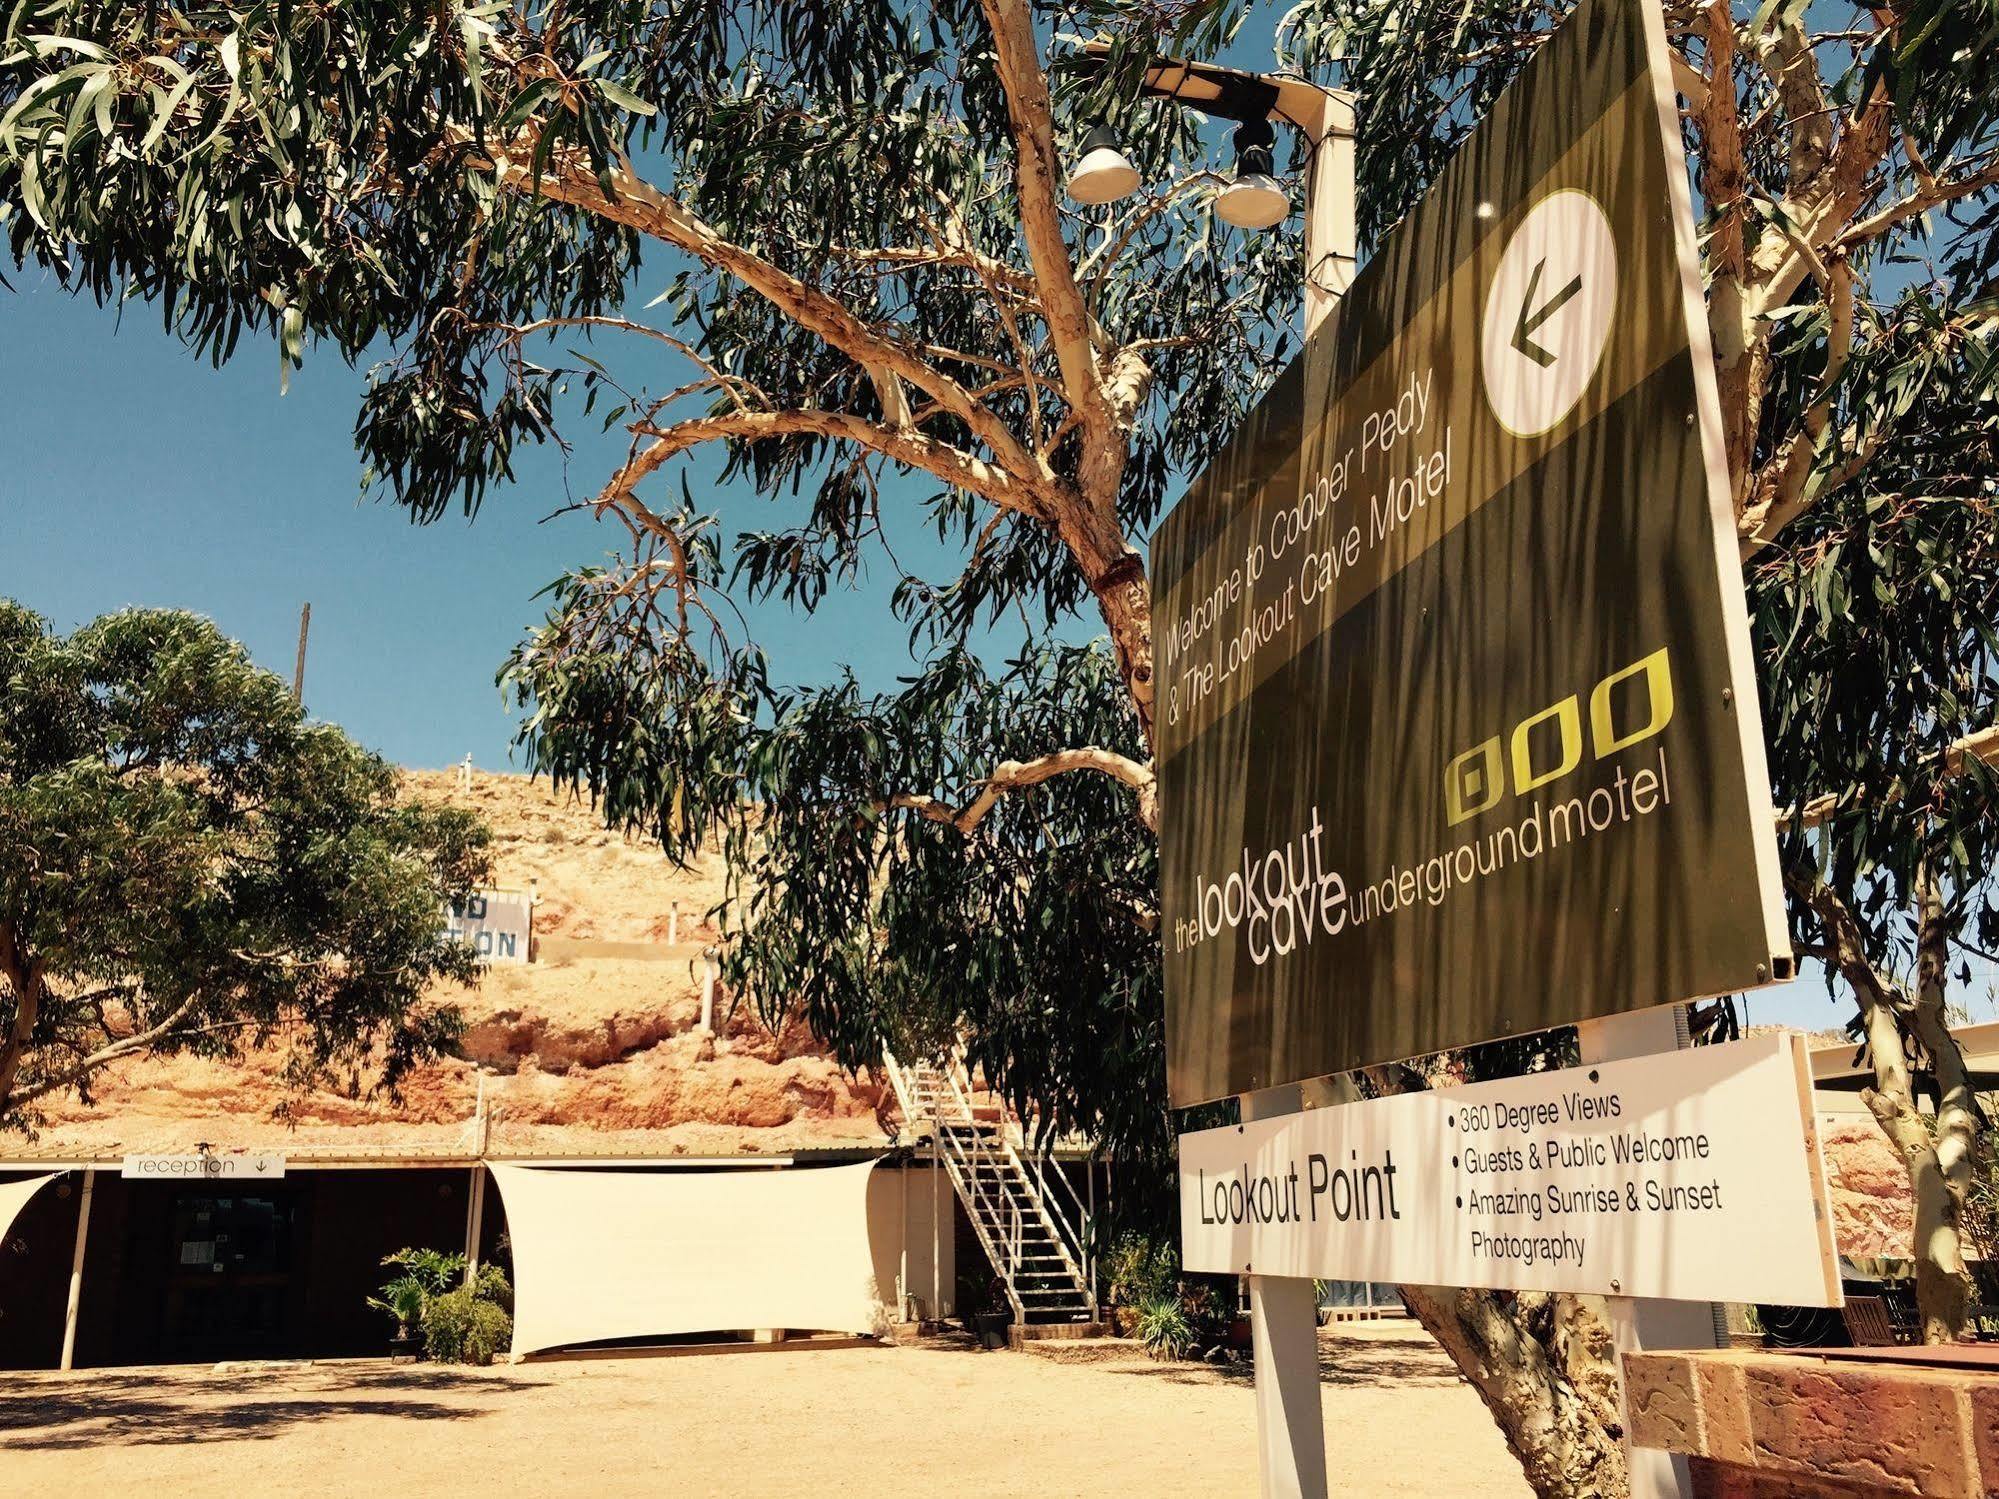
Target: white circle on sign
<point>1547,312</point>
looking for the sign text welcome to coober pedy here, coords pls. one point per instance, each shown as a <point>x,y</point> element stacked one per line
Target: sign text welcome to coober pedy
<point>1458,733</point>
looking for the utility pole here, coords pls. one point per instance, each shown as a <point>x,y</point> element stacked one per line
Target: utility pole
<point>298,671</point>
<point>1291,1444</point>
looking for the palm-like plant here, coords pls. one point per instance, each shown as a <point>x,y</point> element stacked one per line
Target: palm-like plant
<point>402,1298</point>
<point>425,1273</point>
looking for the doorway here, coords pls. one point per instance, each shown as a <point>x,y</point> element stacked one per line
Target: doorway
<point>231,1259</point>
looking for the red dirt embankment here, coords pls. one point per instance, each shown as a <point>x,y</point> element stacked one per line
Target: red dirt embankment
<point>579,1052</point>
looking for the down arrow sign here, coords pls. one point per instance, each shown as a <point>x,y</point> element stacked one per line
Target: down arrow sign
<point>1530,323</point>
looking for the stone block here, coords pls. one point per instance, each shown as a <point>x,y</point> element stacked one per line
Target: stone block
<point>1662,1401</point>
<point>1724,1400</point>
<point>1895,1428</point>
<point>1718,1480</point>
<point>1984,1399</point>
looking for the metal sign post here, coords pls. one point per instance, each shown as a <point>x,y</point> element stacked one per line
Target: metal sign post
<point>1640,1322</point>
<point>1284,1334</point>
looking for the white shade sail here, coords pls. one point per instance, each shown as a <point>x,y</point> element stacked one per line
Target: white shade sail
<point>14,1196</point>
<point>627,1254</point>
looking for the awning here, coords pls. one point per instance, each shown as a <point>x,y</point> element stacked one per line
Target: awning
<point>600,1255</point>
<point>14,1196</point>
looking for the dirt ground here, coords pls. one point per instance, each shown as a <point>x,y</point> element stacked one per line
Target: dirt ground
<point>933,1419</point>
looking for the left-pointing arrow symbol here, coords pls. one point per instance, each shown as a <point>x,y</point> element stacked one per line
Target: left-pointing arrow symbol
<point>1531,318</point>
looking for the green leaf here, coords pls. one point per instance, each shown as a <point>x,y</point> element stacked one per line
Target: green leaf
<point>624,98</point>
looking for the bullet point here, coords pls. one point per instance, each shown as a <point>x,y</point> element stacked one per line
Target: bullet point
<point>1451,1120</point>
<point>1461,1202</point>
<point>1454,1161</point>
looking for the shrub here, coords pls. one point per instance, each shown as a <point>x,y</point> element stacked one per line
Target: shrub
<point>1164,1326</point>
<point>490,1284</point>
<point>1209,1304</point>
<point>462,1327</point>
<point>1139,1269</point>
<point>461,1324</point>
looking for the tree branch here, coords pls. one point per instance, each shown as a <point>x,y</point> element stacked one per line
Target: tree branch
<point>1737,366</point>
<point>1780,494</point>
<point>1981,747</point>
<point>1935,195</point>
<point>1889,1016</point>
<point>1836,193</point>
<point>23,976</point>
<point>1016,775</point>
<point>637,204</point>
<point>735,386</point>
<point>105,1055</point>
<point>905,445</point>
<point>1032,120</point>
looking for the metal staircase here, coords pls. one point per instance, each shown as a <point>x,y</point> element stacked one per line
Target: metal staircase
<point>1027,1216</point>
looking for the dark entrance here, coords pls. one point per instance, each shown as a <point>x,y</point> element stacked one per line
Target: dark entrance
<point>229,1275</point>
<point>198,1272</point>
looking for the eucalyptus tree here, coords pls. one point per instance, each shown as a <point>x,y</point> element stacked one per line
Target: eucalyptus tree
<point>187,866</point>
<point>1881,617</point>
<point>845,227</point>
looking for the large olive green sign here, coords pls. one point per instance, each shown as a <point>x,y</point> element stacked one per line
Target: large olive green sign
<point>1458,733</point>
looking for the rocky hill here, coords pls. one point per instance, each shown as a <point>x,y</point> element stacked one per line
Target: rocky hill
<point>595,1047</point>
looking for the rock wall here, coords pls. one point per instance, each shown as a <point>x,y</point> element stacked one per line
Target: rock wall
<point>577,1053</point>
<point>1873,1210</point>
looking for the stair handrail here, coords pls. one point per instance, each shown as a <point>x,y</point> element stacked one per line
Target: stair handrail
<point>1003,1249</point>
<point>940,1093</point>
<point>1072,1238</point>
<point>899,1084</point>
<point>1076,1226</point>
<point>952,1156</point>
<point>1069,1242</point>
<point>959,1068</point>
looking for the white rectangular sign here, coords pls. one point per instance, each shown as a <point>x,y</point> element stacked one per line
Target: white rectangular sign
<point>498,923</point>
<point>1692,1175</point>
<point>259,1165</point>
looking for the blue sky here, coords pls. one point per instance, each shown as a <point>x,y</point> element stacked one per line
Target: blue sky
<point>138,475</point>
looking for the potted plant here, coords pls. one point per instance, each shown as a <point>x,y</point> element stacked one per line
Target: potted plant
<point>987,1311</point>
<point>403,1298</point>
<point>425,1273</point>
